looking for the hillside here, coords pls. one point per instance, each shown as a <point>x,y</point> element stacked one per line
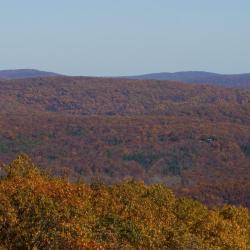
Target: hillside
<point>195,139</point>
<point>38,211</point>
<point>197,77</point>
<point>200,77</point>
<point>24,73</point>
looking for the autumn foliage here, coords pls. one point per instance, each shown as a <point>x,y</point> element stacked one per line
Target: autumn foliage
<point>193,138</point>
<point>42,212</point>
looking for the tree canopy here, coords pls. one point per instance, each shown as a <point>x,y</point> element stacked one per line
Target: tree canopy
<point>38,211</point>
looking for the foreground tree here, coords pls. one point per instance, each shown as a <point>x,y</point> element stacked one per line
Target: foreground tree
<point>41,212</point>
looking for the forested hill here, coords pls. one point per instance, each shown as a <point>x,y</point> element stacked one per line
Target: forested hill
<point>197,77</point>
<point>112,97</point>
<point>195,139</point>
<point>201,77</point>
<point>24,73</point>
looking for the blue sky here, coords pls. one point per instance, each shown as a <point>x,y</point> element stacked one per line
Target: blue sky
<point>125,37</point>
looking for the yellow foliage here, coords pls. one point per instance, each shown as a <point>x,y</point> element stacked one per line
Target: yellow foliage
<point>41,212</point>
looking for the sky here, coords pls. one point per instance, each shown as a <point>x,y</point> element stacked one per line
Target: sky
<point>125,37</point>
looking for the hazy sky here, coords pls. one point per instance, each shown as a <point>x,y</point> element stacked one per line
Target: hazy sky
<point>125,37</point>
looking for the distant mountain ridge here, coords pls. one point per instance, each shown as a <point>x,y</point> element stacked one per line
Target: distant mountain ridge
<point>195,77</point>
<point>201,77</point>
<point>24,73</point>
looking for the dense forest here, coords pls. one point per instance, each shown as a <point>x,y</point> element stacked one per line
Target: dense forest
<point>195,139</point>
<point>38,211</point>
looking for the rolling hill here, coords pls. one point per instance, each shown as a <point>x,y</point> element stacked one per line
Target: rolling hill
<point>24,73</point>
<point>194,138</point>
<point>200,77</point>
<point>195,77</point>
